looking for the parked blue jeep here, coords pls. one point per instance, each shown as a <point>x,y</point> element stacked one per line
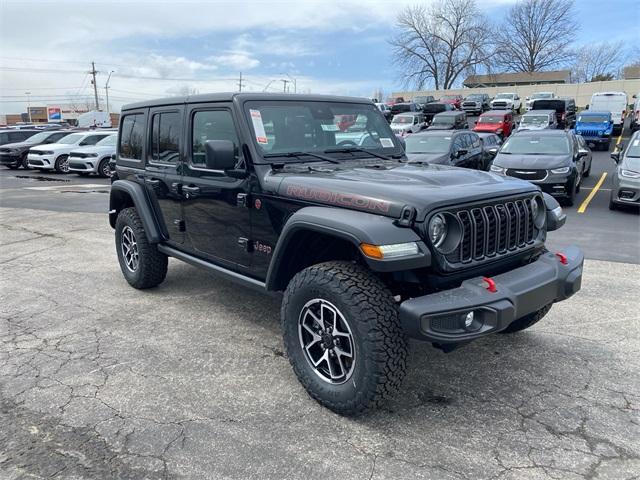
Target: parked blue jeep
<point>595,128</point>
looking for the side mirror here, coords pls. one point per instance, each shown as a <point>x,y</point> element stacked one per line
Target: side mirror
<point>493,151</point>
<point>220,154</point>
<point>461,153</point>
<point>616,156</point>
<point>587,107</point>
<point>113,156</point>
<point>582,153</point>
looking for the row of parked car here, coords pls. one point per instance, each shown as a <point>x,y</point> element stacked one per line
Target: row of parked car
<point>80,151</point>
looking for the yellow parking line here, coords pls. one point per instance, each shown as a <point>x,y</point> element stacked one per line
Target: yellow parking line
<point>619,139</point>
<point>585,204</point>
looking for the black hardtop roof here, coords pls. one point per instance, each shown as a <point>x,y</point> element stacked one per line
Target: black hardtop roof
<point>229,96</point>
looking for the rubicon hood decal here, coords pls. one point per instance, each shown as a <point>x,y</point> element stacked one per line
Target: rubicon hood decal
<point>337,198</point>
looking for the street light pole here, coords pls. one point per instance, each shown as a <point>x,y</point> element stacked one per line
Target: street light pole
<point>28,105</point>
<point>295,83</point>
<point>106,89</point>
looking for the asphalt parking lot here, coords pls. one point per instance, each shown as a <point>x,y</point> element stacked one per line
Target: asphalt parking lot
<point>189,380</point>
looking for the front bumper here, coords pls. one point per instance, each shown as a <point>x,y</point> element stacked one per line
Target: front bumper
<point>626,191</point>
<point>440,317</point>
<point>84,165</point>
<point>8,159</point>
<point>44,162</point>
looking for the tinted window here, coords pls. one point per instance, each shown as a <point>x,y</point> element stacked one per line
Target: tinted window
<point>92,140</point>
<point>57,136</point>
<point>458,143</point>
<point>475,141</point>
<point>4,137</point>
<point>165,134</point>
<point>211,125</point>
<point>131,137</point>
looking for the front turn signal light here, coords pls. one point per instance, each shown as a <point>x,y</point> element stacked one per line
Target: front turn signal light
<point>395,250</point>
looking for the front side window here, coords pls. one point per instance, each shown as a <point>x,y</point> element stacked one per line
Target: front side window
<point>211,125</point>
<point>131,136</point>
<point>165,135</point>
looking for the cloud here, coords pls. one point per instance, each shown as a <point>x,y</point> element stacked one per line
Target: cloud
<point>237,61</point>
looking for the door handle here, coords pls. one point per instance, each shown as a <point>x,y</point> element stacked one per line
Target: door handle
<point>152,181</point>
<point>190,191</point>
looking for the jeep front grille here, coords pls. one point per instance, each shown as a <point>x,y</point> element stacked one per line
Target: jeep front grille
<point>588,133</point>
<point>494,230</point>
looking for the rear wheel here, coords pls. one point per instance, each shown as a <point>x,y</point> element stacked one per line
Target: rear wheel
<point>528,320</point>
<point>142,265</point>
<point>343,337</point>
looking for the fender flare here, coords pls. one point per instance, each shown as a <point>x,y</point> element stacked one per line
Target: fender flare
<point>355,227</point>
<point>123,189</point>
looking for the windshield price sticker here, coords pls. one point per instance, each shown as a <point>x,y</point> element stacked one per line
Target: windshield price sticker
<point>636,143</point>
<point>386,142</point>
<point>258,126</point>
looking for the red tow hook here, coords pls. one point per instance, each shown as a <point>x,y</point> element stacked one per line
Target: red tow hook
<point>563,258</point>
<point>491,285</point>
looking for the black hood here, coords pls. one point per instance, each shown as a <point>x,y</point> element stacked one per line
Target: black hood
<point>533,162</point>
<point>387,188</point>
<point>19,145</point>
<point>431,158</point>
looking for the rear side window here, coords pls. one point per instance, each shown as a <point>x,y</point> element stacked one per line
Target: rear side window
<point>211,125</point>
<point>165,137</point>
<point>131,136</point>
<point>57,136</point>
<point>91,140</point>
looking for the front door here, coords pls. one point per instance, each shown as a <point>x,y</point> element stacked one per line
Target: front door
<point>216,212</point>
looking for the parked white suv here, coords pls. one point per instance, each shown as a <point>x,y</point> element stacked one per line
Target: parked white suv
<point>537,96</point>
<point>409,122</point>
<point>614,102</point>
<point>506,101</point>
<point>55,156</point>
<point>94,159</point>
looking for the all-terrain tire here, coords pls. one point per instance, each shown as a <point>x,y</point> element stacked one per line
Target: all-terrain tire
<point>527,321</point>
<point>372,317</point>
<point>151,267</point>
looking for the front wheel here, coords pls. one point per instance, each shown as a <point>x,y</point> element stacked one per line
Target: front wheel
<point>25,163</point>
<point>142,265</point>
<point>103,169</point>
<point>527,321</point>
<point>62,164</point>
<point>342,336</point>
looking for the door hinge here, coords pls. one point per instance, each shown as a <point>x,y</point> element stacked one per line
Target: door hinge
<point>179,225</point>
<point>242,200</point>
<point>245,244</point>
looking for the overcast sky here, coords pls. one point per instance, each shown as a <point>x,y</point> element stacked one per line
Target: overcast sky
<point>160,48</point>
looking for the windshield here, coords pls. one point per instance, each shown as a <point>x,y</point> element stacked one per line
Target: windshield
<point>434,107</point>
<point>535,145</point>
<point>38,137</point>
<point>534,120</point>
<point>427,143</point>
<point>449,97</point>
<point>474,97</point>
<point>541,95</point>
<point>108,141</point>
<point>443,121</point>
<point>505,95</point>
<point>490,119</point>
<point>422,99</point>
<point>281,127</point>
<point>402,119</point>
<point>634,151</point>
<point>70,139</point>
<point>593,118</point>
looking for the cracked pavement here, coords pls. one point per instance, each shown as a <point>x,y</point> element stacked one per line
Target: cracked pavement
<point>98,380</point>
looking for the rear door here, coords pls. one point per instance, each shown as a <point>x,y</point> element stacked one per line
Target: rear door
<point>162,175</point>
<point>216,212</point>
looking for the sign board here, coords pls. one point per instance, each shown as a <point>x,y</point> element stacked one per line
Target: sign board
<point>54,114</point>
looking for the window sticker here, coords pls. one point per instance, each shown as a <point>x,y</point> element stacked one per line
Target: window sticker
<point>386,142</point>
<point>636,143</point>
<point>330,127</point>
<point>258,126</point>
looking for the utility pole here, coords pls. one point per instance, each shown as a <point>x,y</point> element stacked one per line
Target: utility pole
<point>284,84</point>
<point>106,89</point>
<point>240,83</point>
<point>294,81</point>
<point>95,85</point>
<point>28,104</point>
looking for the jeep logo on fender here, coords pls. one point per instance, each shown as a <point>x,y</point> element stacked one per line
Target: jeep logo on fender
<point>336,198</point>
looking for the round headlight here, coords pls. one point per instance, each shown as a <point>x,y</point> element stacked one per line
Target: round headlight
<point>437,230</point>
<point>538,211</point>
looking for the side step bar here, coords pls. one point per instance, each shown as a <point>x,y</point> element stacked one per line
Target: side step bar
<point>215,269</point>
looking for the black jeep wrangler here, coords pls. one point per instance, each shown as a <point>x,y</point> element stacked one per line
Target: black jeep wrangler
<point>313,196</point>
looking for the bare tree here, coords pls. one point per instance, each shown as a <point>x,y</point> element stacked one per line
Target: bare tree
<point>437,44</point>
<point>601,60</point>
<point>536,35</point>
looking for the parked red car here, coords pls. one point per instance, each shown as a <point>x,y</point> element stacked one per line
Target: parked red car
<point>499,122</point>
<point>393,100</point>
<point>455,100</point>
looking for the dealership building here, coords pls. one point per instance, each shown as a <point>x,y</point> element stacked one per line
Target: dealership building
<point>50,114</point>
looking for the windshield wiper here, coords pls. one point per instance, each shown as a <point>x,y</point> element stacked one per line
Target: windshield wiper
<point>358,149</point>
<point>302,154</point>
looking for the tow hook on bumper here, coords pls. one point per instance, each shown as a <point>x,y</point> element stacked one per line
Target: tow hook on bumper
<point>481,305</point>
